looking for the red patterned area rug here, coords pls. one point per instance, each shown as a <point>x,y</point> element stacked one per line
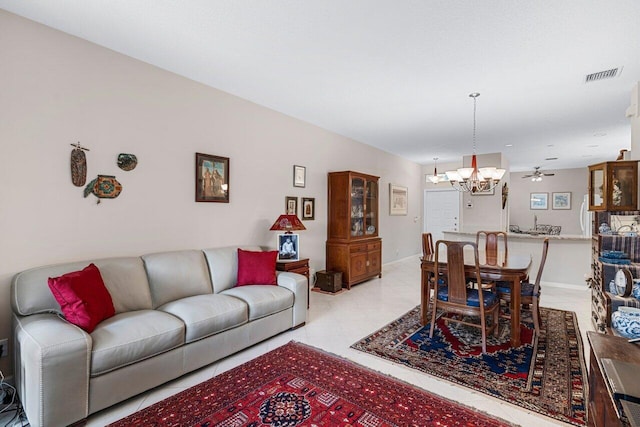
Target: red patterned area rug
<point>298,385</point>
<point>545,375</point>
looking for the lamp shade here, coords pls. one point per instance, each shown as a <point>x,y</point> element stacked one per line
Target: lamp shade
<point>287,223</point>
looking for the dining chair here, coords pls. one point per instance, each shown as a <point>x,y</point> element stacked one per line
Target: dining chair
<point>489,241</point>
<point>427,249</point>
<point>529,292</point>
<point>454,297</point>
<point>492,245</point>
<point>427,244</point>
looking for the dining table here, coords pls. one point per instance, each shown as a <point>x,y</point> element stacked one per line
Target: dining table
<point>504,267</point>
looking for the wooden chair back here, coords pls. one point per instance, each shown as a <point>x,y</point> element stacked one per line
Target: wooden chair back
<point>491,244</point>
<point>545,249</point>
<point>427,244</point>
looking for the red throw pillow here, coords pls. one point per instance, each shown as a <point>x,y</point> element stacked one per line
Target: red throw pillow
<point>257,268</point>
<point>84,299</point>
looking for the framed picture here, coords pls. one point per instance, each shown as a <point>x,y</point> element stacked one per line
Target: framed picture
<point>561,200</point>
<point>291,205</point>
<point>489,192</point>
<point>288,247</point>
<point>308,208</point>
<point>398,200</point>
<point>299,176</point>
<point>539,201</point>
<point>212,178</point>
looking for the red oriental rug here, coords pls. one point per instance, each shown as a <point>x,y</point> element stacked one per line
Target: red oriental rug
<point>298,385</point>
<point>546,374</point>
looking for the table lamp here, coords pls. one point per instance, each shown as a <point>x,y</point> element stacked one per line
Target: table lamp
<point>288,243</point>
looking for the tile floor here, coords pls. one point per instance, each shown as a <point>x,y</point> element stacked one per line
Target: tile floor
<point>337,321</point>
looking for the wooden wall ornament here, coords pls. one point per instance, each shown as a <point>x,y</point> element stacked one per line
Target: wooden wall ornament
<point>78,165</point>
<point>505,195</point>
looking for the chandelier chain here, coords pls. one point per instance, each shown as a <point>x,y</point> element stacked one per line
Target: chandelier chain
<point>474,125</point>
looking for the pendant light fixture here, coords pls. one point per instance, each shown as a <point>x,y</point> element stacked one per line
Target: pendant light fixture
<point>474,179</point>
<point>436,178</point>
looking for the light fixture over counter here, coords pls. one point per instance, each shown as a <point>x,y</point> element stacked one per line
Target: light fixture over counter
<point>474,179</point>
<point>436,177</point>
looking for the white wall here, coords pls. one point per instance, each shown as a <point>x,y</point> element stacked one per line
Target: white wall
<point>634,118</point>
<point>571,180</point>
<point>58,89</point>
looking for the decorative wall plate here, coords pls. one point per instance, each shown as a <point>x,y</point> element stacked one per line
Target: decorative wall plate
<point>127,161</point>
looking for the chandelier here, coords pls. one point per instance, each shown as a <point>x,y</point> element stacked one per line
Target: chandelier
<point>474,179</point>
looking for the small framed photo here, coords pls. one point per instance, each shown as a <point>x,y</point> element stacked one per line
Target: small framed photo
<point>288,247</point>
<point>539,201</point>
<point>291,205</point>
<point>212,178</point>
<point>299,176</point>
<point>308,208</point>
<point>398,200</point>
<point>561,200</point>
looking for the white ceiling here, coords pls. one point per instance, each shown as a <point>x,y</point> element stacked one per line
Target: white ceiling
<point>396,74</point>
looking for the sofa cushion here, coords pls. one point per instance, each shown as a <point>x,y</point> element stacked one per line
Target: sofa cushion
<point>223,265</point>
<point>205,315</point>
<point>262,300</point>
<point>175,275</point>
<point>127,338</point>
<point>83,298</point>
<point>256,268</point>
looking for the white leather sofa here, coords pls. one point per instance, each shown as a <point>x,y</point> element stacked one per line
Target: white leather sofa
<point>175,312</point>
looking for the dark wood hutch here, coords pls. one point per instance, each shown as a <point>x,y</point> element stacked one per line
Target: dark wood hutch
<point>353,246</point>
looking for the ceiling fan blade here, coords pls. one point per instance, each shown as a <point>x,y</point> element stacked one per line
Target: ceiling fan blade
<point>548,174</point>
<point>527,176</point>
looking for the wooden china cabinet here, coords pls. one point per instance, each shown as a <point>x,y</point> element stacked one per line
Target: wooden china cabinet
<point>353,245</point>
<point>613,190</point>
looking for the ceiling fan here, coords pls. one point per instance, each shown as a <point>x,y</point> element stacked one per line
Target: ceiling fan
<point>537,174</point>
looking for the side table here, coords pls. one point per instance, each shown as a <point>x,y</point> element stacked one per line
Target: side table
<point>300,266</point>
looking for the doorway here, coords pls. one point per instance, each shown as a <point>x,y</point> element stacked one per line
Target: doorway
<point>441,212</point>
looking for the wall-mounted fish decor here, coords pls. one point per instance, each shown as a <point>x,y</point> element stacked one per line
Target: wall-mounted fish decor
<point>104,187</point>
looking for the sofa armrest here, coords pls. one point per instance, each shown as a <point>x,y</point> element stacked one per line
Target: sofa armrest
<point>296,283</point>
<point>51,362</point>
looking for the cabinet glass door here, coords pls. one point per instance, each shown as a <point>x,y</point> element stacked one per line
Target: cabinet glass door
<point>596,196</point>
<point>357,206</point>
<point>371,219</point>
<point>623,186</point>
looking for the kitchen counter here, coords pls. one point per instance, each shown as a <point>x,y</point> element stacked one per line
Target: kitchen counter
<point>511,236</point>
<point>568,261</point>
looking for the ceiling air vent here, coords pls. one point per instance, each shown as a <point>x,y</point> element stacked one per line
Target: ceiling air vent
<point>601,75</point>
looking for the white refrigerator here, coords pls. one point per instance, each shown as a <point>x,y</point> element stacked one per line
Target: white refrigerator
<point>586,217</point>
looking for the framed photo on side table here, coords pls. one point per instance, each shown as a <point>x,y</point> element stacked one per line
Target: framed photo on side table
<point>308,208</point>
<point>288,247</point>
<point>539,201</point>
<point>212,178</point>
<point>561,200</point>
